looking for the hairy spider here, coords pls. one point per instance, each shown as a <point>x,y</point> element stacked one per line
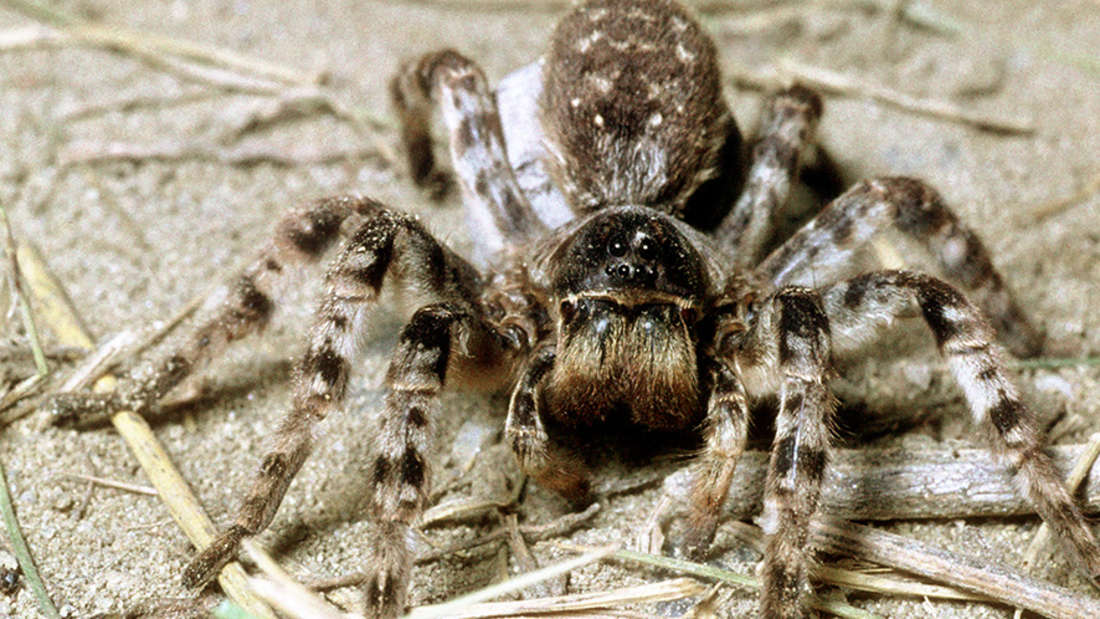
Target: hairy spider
<point>616,285</point>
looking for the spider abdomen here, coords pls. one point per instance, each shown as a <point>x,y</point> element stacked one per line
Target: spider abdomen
<point>632,105</point>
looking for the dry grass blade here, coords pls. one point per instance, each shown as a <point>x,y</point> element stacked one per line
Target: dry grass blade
<point>97,153</point>
<point>459,605</point>
<point>1054,207</point>
<point>877,484</point>
<point>861,581</point>
<point>831,81</point>
<point>121,38</point>
<point>981,576</point>
<point>838,608</point>
<point>139,437</point>
<point>15,280</point>
<point>284,592</point>
<point>663,591</point>
<point>110,483</point>
<point>22,552</point>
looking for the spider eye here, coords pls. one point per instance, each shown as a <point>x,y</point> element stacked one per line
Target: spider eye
<point>617,248</point>
<point>647,249</point>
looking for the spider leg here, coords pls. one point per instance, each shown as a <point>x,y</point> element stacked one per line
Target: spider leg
<point>387,243</point>
<point>726,432</point>
<point>497,208</point>
<point>822,250</point>
<point>859,307</point>
<point>786,135</point>
<point>550,465</point>
<point>789,351</point>
<point>240,308</point>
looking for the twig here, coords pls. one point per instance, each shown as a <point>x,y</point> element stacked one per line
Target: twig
<point>839,83</point>
<point>221,69</point>
<point>525,561</point>
<point>1054,207</point>
<point>95,364</point>
<point>982,576</point>
<point>22,553</point>
<point>110,483</point>
<point>13,352</point>
<point>1076,476</point>
<point>173,490</point>
<point>93,153</point>
<point>861,581</point>
<point>280,589</point>
<point>117,37</point>
<point>85,111</point>
<point>582,604</point>
<point>22,389</point>
<point>15,278</point>
<point>916,13</point>
<point>518,583</point>
<point>468,509</point>
<point>710,572</point>
<point>875,484</point>
<point>554,528</point>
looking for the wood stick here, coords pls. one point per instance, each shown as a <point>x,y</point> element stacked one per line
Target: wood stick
<point>832,81</point>
<point>583,604</point>
<point>896,484</point>
<point>172,488</point>
<point>981,576</point>
<point>889,584</point>
<point>119,37</point>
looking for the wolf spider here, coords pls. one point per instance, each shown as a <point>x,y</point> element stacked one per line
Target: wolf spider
<point>616,288</point>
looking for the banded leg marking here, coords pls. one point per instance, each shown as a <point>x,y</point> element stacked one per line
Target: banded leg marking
<point>387,242</point>
<point>822,250</point>
<point>240,308</point>
<point>857,310</point>
<point>726,432</point>
<point>787,131</point>
<point>789,352</point>
<point>477,146</point>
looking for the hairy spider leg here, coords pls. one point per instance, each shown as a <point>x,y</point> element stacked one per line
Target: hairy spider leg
<point>859,308</point>
<point>497,210</point>
<point>785,137</point>
<point>448,328</point>
<point>549,464</point>
<point>788,352</point>
<point>240,308</point>
<point>822,250</point>
<point>725,433</point>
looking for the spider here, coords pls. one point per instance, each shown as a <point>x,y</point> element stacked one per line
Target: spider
<point>614,284</point>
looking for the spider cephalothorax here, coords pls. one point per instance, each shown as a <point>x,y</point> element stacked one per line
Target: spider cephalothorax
<point>629,288</point>
<point>582,175</point>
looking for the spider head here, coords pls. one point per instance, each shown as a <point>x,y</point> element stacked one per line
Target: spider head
<point>627,298</point>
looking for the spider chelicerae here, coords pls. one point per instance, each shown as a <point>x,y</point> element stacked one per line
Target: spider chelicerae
<point>625,274</point>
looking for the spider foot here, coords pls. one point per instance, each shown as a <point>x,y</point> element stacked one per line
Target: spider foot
<point>204,567</point>
<point>698,537</point>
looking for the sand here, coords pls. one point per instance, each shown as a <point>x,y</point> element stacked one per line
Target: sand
<point>133,241</point>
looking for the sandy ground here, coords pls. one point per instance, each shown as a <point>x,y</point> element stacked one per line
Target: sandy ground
<point>134,241</point>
